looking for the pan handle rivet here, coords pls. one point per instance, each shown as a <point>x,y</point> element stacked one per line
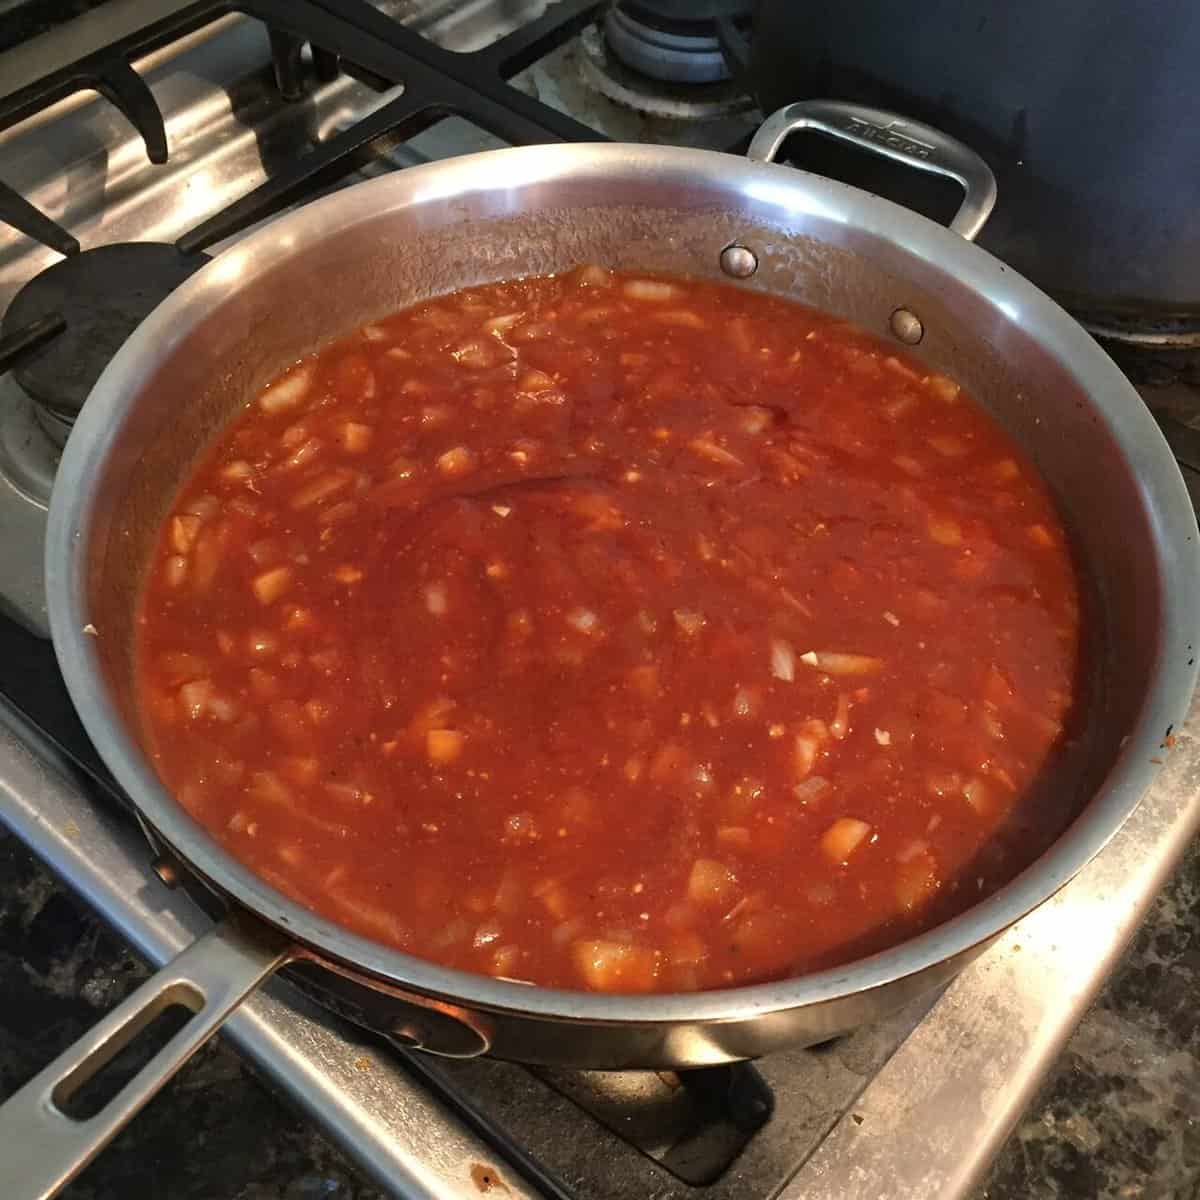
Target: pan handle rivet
<point>166,870</point>
<point>738,262</point>
<point>906,325</point>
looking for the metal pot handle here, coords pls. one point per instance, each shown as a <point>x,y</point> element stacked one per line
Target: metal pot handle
<point>895,137</point>
<point>41,1147</point>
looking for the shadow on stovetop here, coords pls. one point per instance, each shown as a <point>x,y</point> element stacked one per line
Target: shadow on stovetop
<point>734,1132</point>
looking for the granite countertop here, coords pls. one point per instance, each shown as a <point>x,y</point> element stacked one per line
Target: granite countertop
<point>1119,1118</point>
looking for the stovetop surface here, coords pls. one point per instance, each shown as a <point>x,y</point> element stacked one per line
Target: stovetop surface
<point>646,1134</point>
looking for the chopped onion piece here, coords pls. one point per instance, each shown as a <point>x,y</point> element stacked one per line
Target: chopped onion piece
<point>753,418</point>
<point>883,737</point>
<point>836,663</point>
<point>902,369</point>
<point>535,381</point>
<point>992,723</point>
<point>916,880</point>
<point>175,570</point>
<point>946,531</point>
<point>354,437</point>
<point>810,788</point>
<point>711,882</point>
<point>304,453</point>
<point>202,506</point>
<point>487,933</point>
<point>223,709</point>
<point>270,585</point>
<point>840,725</point>
<point>943,388</point>
<point>649,289</point>
<point>293,435</point>
<point>503,323</point>
<point>265,551</point>
<point>321,488</point>
<point>475,353</point>
<point>196,697</point>
<point>735,836</point>
<point>707,448</point>
<point>804,754</point>
<point>783,660</point>
<point>843,837</point>
<point>688,622</point>
<point>288,392</point>
<point>681,317</point>
<point>178,666</point>
<point>591,275</point>
<point>975,793</point>
<point>183,532</point>
<point>948,446</point>
<point>1039,535</point>
<point>609,966</point>
<point>567,931</point>
<point>911,850</point>
<point>443,745</point>
<point>457,461</point>
<point>435,599</point>
<point>583,620</point>
<point>451,933</point>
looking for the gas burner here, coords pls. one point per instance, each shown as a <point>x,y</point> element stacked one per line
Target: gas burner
<point>28,454</point>
<point>102,296</point>
<point>674,41</point>
<point>607,73</point>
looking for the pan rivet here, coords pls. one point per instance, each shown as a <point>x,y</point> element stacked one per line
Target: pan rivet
<point>166,871</point>
<point>408,1035</point>
<point>739,262</point>
<point>907,326</point>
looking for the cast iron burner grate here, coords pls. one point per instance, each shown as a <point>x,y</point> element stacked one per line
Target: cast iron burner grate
<point>351,33</point>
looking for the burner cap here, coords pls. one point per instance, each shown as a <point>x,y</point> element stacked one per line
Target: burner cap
<point>674,41</point>
<point>103,295</point>
<point>679,16</point>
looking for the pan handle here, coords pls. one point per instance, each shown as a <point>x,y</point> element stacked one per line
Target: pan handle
<point>881,132</point>
<point>41,1147</point>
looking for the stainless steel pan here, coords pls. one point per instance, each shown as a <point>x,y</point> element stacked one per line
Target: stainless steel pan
<point>325,268</point>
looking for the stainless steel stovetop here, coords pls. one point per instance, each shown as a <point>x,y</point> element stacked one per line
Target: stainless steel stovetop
<point>914,1107</point>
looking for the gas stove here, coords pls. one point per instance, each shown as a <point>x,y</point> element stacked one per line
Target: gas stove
<point>213,117</point>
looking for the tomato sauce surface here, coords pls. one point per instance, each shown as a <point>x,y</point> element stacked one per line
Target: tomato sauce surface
<point>615,633</point>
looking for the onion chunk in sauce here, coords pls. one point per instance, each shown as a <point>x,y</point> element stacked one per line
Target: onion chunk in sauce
<point>618,633</point>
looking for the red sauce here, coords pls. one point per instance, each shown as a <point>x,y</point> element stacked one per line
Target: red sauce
<point>615,634</point>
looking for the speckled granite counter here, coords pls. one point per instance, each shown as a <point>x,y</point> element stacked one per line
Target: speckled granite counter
<point>1119,1119</point>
